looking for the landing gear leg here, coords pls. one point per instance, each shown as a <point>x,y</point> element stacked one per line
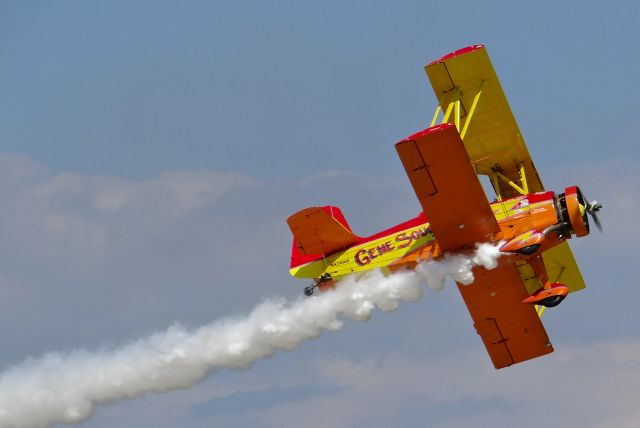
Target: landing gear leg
<point>552,293</point>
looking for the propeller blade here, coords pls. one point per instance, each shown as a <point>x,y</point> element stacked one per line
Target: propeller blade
<point>596,220</point>
<point>592,208</point>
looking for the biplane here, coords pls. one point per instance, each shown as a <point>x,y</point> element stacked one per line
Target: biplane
<point>473,133</point>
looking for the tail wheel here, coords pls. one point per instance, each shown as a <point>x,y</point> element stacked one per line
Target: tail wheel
<point>324,279</point>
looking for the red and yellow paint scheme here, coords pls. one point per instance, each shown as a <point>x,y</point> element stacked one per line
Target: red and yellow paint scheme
<point>477,135</point>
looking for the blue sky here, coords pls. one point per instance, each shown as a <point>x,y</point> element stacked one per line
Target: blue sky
<point>151,151</point>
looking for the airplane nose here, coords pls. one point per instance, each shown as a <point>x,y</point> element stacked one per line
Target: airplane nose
<point>577,209</point>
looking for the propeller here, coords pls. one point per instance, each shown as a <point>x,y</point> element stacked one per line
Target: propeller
<point>592,208</point>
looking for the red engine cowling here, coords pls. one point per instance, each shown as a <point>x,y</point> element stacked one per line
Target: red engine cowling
<point>574,211</point>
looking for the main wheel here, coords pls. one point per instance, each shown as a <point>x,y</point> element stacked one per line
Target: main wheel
<point>551,302</point>
<point>308,291</point>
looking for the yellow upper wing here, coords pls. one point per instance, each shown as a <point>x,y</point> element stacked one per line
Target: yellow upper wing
<point>493,139</point>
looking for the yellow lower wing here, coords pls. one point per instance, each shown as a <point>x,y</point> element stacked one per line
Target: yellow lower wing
<point>561,267</point>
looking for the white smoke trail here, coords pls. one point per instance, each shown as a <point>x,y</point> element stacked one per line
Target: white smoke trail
<point>65,387</point>
<point>458,266</point>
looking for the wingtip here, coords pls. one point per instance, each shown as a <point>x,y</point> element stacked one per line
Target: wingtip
<point>456,53</point>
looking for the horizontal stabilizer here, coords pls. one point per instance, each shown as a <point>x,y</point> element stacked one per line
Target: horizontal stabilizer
<point>320,231</point>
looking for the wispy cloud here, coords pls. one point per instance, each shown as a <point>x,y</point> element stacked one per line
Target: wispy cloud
<point>592,384</point>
